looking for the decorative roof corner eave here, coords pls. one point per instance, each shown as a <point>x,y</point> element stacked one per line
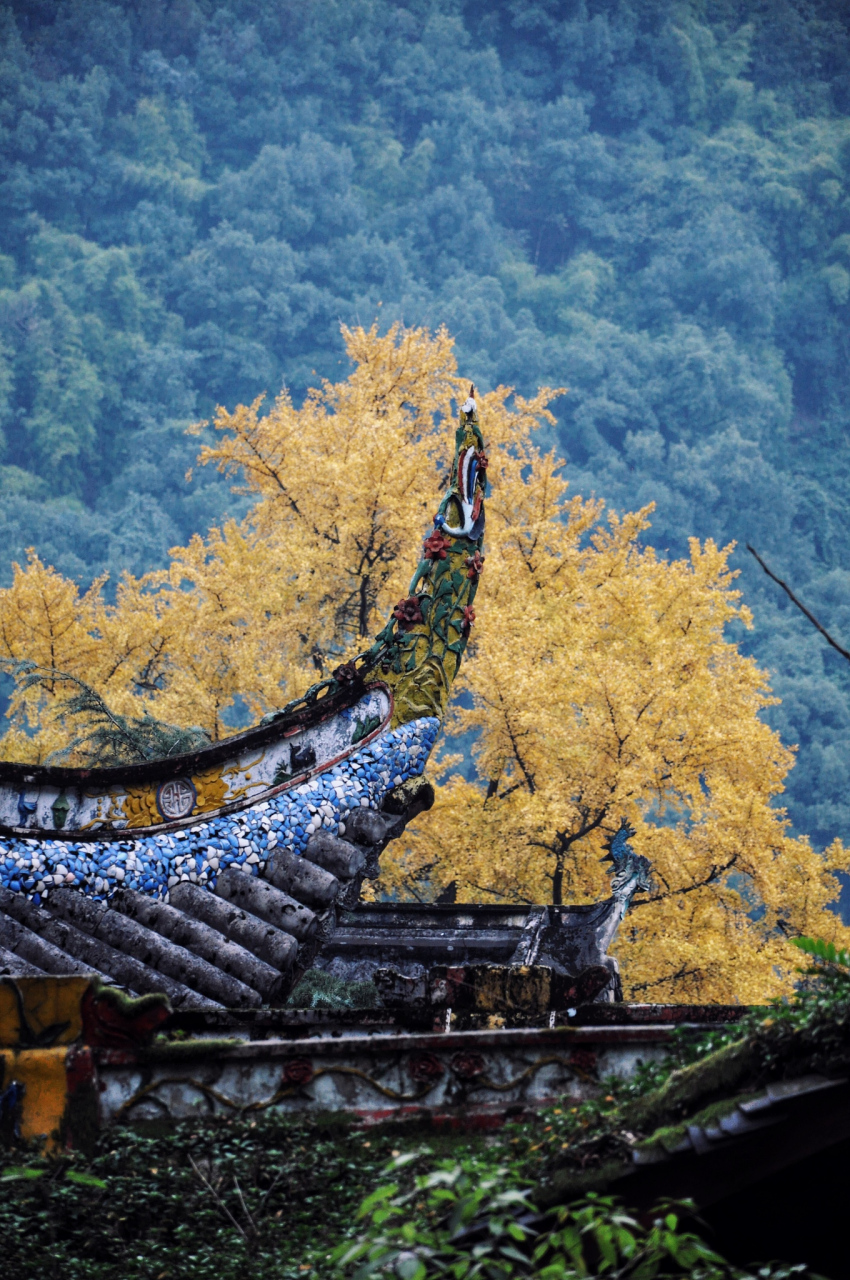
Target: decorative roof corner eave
<point>192,764</point>
<point>408,671</point>
<point>305,801</point>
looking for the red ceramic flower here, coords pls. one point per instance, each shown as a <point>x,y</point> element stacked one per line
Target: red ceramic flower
<point>346,674</point>
<point>437,546</point>
<point>475,565</point>
<point>467,1065</point>
<point>298,1071</point>
<point>408,613</point>
<point>425,1068</point>
<point>468,618</point>
<point>482,460</point>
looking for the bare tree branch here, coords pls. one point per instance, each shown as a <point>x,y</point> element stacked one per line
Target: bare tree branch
<point>209,1186</point>
<point>790,594</point>
<point>683,972</point>
<point>497,893</point>
<point>715,874</point>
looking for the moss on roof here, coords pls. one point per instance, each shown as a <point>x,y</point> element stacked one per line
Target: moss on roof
<point>703,1081</point>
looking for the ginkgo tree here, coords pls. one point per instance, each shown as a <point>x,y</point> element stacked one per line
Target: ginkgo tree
<point>600,684</point>
<point>603,687</point>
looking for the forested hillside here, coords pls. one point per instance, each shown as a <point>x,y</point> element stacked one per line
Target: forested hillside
<point>644,201</point>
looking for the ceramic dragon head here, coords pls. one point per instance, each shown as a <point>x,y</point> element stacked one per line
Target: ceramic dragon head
<point>631,873</point>
<point>419,650</point>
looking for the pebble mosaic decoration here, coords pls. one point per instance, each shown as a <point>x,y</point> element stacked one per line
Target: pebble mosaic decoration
<point>153,864</point>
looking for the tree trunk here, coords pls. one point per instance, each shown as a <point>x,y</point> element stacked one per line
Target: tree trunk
<point>363,612</point>
<point>558,881</point>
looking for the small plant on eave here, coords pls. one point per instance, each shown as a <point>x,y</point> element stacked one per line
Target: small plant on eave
<point>106,737</point>
<point>320,990</point>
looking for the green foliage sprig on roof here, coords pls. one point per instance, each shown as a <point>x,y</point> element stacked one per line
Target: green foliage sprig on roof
<point>320,990</point>
<point>644,202</point>
<point>481,1227</point>
<point>104,737</point>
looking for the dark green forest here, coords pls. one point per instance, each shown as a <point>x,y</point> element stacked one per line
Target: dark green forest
<point>646,201</point>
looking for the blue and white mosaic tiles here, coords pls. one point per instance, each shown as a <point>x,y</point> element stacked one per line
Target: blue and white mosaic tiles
<point>153,864</point>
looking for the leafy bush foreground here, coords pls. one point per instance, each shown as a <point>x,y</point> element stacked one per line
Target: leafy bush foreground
<point>275,1198</point>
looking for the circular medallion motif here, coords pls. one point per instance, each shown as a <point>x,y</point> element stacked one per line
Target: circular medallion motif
<point>176,799</point>
<point>425,1068</point>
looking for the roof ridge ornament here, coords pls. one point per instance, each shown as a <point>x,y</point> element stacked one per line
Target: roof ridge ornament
<point>418,652</point>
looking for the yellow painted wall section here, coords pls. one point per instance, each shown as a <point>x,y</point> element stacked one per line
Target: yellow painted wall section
<point>42,1073</point>
<point>496,988</point>
<point>41,1012</point>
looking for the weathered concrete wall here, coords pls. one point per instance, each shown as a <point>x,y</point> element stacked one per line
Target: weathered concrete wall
<point>473,1073</point>
<point>77,1054</point>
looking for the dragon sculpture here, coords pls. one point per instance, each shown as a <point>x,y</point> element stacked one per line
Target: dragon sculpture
<point>575,940</point>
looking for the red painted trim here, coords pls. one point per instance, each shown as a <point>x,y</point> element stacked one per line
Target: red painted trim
<point>484,1116</point>
<point>79,1068</point>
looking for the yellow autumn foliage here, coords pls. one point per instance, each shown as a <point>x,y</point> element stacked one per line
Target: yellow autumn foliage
<point>603,687</point>
<point>599,684</point>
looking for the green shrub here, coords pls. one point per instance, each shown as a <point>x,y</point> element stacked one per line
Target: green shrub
<point>469,1221</point>
<point>320,990</point>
